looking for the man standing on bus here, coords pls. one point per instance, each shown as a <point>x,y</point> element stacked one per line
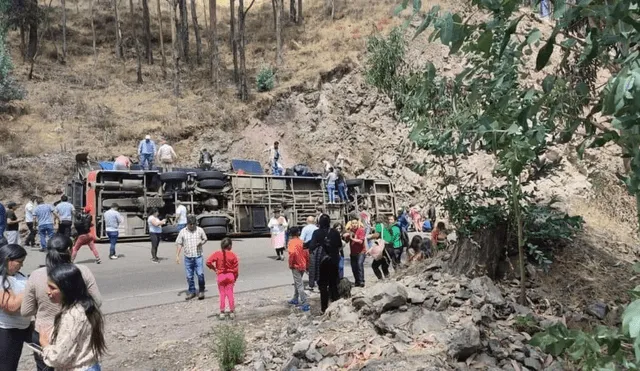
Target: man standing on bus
<point>146,151</point>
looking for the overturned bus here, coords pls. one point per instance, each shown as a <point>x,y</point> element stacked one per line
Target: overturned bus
<point>237,203</point>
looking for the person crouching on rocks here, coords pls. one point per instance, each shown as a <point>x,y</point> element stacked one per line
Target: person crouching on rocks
<point>298,262</point>
<point>225,264</point>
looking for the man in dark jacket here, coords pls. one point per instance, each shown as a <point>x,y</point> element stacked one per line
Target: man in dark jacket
<point>327,244</point>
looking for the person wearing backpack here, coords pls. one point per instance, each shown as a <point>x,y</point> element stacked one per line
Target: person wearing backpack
<point>396,242</point>
<point>326,244</point>
<point>83,224</point>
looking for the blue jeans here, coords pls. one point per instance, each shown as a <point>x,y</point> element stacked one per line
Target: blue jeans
<point>544,8</point>
<point>342,192</point>
<point>113,238</point>
<point>367,231</point>
<point>95,367</point>
<point>191,266</point>
<point>331,189</point>
<point>181,226</point>
<point>146,161</point>
<point>357,267</point>
<point>45,231</point>
<point>275,170</point>
<point>341,267</point>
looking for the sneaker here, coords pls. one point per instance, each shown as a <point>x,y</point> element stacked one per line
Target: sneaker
<point>156,260</point>
<point>293,302</point>
<point>232,315</point>
<point>190,296</point>
<point>305,307</point>
<point>98,261</point>
<point>222,316</point>
<point>42,250</point>
<point>201,296</point>
<point>113,257</point>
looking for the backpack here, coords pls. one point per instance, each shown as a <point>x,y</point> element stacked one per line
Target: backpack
<point>83,223</point>
<point>321,250</point>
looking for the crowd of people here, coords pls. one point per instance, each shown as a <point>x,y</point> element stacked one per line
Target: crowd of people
<point>317,249</point>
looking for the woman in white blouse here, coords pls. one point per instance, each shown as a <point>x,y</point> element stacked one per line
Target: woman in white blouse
<point>14,329</point>
<point>77,341</point>
<point>278,226</point>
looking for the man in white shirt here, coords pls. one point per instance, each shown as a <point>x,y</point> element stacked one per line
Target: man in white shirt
<point>167,156</point>
<point>28,218</point>
<point>275,160</point>
<point>332,177</point>
<point>181,215</point>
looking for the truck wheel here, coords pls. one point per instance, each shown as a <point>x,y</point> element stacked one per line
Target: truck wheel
<point>210,174</point>
<point>214,221</point>
<point>173,176</point>
<point>212,184</point>
<point>215,231</point>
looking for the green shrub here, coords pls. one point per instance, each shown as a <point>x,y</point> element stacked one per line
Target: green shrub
<point>266,79</point>
<point>230,346</point>
<point>385,56</point>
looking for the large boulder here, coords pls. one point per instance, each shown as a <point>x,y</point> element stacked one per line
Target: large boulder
<point>390,322</point>
<point>464,343</point>
<point>387,296</point>
<point>428,322</point>
<point>484,287</point>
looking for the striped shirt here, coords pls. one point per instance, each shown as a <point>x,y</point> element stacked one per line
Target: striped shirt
<point>191,241</point>
<point>112,220</point>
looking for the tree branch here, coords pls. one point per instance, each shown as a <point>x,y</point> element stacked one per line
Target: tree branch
<point>249,7</point>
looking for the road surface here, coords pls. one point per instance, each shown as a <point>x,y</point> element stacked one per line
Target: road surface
<point>134,282</point>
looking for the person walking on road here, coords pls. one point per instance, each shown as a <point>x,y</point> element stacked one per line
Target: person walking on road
<point>112,221</point>
<point>83,225</point>
<point>298,262</point>
<point>190,241</point>
<point>13,224</point>
<point>327,245</point>
<point>28,218</point>
<point>181,216</point>
<point>225,263</point>
<point>65,212</point>
<point>36,302</point>
<point>44,216</point>
<point>167,156</point>
<point>14,329</point>
<point>146,151</point>
<point>305,236</point>
<point>77,339</point>
<point>356,236</point>
<point>122,163</point>
<point>155,232</point>
<point>278,226</point>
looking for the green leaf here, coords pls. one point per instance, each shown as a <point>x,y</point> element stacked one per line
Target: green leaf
<point>533,36</point>
<point>631,319</point>
<point>446,31</point>
<point>560,7</point>
<point>545,52</point>
<point>401,7</point>
<point>548,83</point>
<point>485,41</point>
<point>417,5</point>
<point>423,26</point>
<point>510,31</point>
<point>513,129</point>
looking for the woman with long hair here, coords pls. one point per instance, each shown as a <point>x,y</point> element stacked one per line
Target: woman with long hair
<point>278,226</point>
<point>77,340</point>
<point>36,301</point>
<point>14,329</point>
<point>327,243</point>
<point>225,263</point>
<point>340,229</point>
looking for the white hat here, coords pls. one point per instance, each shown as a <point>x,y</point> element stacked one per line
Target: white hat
<point>147,137</point>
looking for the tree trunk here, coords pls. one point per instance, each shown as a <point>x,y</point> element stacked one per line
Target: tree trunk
<point>233,40</point>
<point>119,47</point>
<point>300,18</point>
<point>275,17</point>
<point>64,30</point>
<point>279,59</point>
<point>146,20</point>
<point>213,44</point>
<point>93,31</point>
<point>196,31</point>
<point>292,11</point>
<point>33,8</point>
<point>479,255</point>
<point>184,30</point>
<point>206,24</point>
<point>164,57</point>
<point>174,49</point>
<point>135,38</point>
<point>515,194</point>
<point>242,86</point>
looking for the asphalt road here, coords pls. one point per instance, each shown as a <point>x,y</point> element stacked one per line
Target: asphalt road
<point>134,282</point>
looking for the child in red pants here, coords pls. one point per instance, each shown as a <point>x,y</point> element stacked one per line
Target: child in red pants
<point>225,264</point>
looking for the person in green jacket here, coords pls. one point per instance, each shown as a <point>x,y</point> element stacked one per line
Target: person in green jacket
<point>392,237</point>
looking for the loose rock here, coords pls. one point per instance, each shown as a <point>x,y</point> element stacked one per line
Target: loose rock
<point>484,287</point>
